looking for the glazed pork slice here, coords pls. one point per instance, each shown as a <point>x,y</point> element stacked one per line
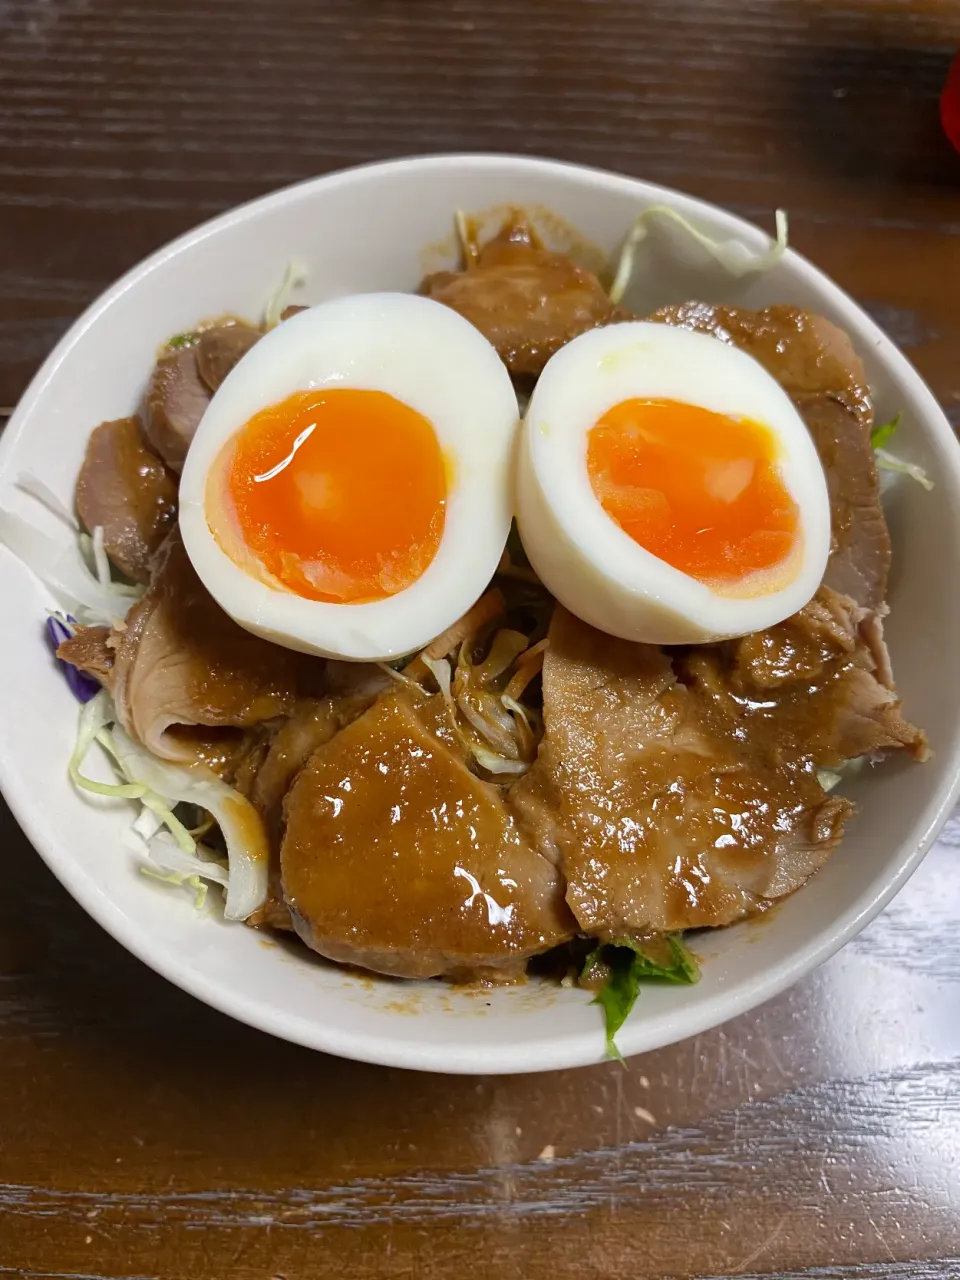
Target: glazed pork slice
<point>817,366</point>
<point>221,347</point>
<point>176,400</point>
<point>187,680</point>
<point>348,689</point>
<point>527,301</point>
<point>312,724</point>
<point>184,381</point>
<point>398,859</point>
<point>89,650</point>
<point>814,688</point>
<point>127,491</point>
<point>678,789</point>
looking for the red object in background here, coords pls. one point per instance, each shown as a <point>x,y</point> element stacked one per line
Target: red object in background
<point>950,104</point>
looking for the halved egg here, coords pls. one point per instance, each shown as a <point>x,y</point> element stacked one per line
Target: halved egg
<point>348,490</point>
<point>668,490</point>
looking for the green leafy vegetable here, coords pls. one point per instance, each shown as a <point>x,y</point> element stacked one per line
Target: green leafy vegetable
<point>181,340</point>
<point>880,437</point>
<point>617,996</point>
<point>619,967</point>
<point>883,434</point>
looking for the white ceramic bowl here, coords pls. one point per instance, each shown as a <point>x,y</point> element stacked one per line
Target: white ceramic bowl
<point>370,229</point>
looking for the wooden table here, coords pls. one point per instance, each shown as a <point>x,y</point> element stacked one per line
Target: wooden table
<point>143,1135</point>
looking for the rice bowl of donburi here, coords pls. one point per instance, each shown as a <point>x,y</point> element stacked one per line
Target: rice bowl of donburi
<point>460,650</point>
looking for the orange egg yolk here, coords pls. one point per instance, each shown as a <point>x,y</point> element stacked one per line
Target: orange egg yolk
<point>339,494</point>
<point>695,488</point>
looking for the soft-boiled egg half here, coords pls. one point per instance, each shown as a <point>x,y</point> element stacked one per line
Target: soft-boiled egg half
<point>668,490</point>
<point>348,491</point>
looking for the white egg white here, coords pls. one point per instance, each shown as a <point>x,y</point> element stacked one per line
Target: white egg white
<point>431,359</point>
<point>583,556</point>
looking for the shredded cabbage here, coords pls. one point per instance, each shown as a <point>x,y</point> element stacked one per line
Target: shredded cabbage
<point>477,703</point>
<point>178,879</point>
<point>506,648</point>
<point>101,564</point>
<point>890,463</point>
<point>95,716</point>
<point>143,828</point>
<point>169,784</point>
<point>529,724</point>
<point>492,761</point>
<point>295,275</point>
<point>491,722</point>
<point>439,668</point>
<point>400,678</point>
<point>150,796</point>
<point>468,244</point>
<point>39,489</point>
<point>63,572</point>
<point>85,590</point>
<point>831,778</point>
<point>732,255</point>
<point>157,832</point>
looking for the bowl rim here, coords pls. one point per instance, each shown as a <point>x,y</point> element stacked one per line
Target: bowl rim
<point>561,1051</point>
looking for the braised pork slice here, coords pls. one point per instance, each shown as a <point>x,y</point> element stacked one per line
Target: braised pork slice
<point>89,650</point>
<point>817,366</point>
<point>678,789</point>
<point>397,858</point>
<point>817,684</point>
<point>348,689</point>
<point>527,301</point>
<point>312,724</point>
<point>187,680</point>
<point>176,400</point>
<point>222,346</point>
<point>183,382</point>
<point>128,492</point>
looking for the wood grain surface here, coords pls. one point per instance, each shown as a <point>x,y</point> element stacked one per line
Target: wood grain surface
<point>142,1134</point>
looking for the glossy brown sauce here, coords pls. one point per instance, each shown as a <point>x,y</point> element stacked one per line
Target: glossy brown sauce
<point>681,787</point>
<point>397,856</point>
